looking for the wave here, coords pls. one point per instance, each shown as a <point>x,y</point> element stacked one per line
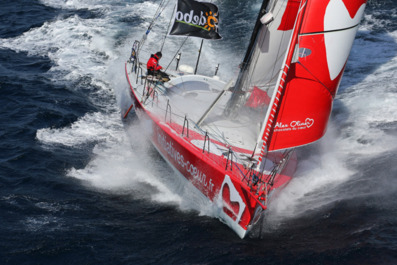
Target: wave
<point>88,54</point>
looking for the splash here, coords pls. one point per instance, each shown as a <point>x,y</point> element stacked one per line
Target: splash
<point>362,131</point>
<point>364,113</point>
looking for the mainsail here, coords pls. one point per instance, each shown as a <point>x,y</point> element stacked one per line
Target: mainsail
<point>266,52</point>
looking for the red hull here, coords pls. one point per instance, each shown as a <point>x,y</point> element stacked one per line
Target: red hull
<point>216,177</point>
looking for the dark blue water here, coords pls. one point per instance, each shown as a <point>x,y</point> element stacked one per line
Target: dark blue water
<point>75,188</point>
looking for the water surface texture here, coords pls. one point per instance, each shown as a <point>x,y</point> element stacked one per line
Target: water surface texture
<point>75,188</point>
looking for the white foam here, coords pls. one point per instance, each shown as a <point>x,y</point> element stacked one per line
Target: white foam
<point>92,127</point>
<point>366,101</point>
<point>316,176</point>
<point>81,48</point>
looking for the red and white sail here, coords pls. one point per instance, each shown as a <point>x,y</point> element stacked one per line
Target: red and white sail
<point>287,83</point>
<point>313,65</point>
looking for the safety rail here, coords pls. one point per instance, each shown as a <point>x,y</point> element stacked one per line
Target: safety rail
<point>249,177</point>
<point>206,138</point>
<point>166,111</point>
<point>138,70</point>
<point>260,182</point>
<point>139,74</point>
<point>185,122</point>
<point>231,159</point>
<point>134,65</point>
<point>155,95</point>
<point>279,166</point>
<point>230,156</point>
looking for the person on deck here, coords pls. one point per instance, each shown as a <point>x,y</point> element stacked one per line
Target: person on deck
<point>153,63</point>
<point>153,67</point>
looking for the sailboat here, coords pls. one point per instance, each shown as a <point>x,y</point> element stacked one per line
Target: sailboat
<point>236,141</point>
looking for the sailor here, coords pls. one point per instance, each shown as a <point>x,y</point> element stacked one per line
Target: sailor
<point>153,67</point>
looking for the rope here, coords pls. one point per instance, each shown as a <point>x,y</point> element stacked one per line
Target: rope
<point>168,29</point>
<point>183,43</point>
<point>160,9</point>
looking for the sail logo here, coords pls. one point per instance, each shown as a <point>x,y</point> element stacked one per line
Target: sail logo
<point>294,125</point>
<point>339,44</point>
<point>308,123</point>
<point>207,21</point>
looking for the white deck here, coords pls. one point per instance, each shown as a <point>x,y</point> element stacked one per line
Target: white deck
<point>190,96</point>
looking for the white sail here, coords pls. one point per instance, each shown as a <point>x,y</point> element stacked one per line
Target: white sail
<point>270,48</point>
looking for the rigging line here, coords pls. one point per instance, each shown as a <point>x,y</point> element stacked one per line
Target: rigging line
<point>163,4</point>
<point>214,135</point>
<point>218,135</point>
<point>271,82</point>
<point>163,7</point>
<point>168,29</point>
<point>156,15</point>
<point>278,57</point>
<point>318,80</point>
<point>183,43</point>
<point>280,9</point>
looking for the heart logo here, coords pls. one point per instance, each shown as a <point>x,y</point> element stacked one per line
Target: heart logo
<point>353,6</point>
<point>309,122</point>
<point>233,204</point>
<point>339,43</point>
<point>229,207</point>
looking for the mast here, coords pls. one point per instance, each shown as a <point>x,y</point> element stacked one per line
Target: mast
<point>198,58</point>
<point>243,67</point>
<point>258,24</point>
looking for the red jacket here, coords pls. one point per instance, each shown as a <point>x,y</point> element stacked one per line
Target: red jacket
<point>152,64</point>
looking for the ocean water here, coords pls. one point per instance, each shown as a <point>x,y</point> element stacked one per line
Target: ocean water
<point>75,188</point>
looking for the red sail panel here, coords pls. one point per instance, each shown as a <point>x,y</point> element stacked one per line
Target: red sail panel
<point>353,6</point>
<point>316,66</point>
<point>258,98</point>
<point>304,111</point>
<point>326,36</point>
<point>288,19</point>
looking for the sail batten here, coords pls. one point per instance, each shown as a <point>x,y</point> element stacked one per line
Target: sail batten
<point>328,31</point>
